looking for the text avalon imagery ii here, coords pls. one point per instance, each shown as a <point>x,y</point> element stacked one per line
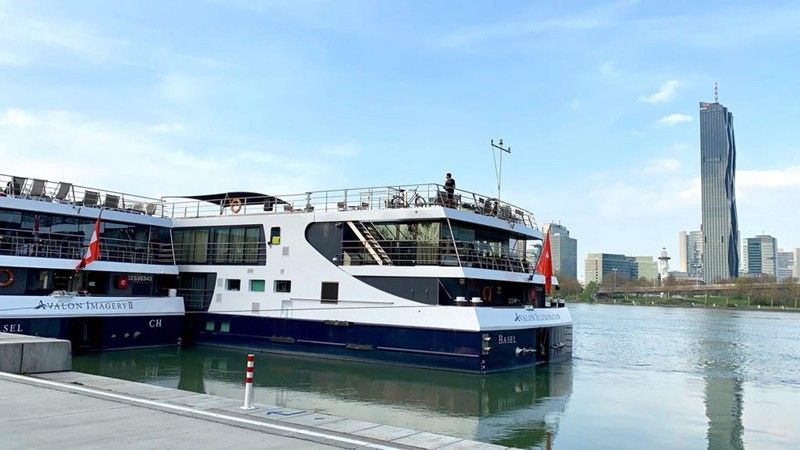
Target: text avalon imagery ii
<point>88,305</point>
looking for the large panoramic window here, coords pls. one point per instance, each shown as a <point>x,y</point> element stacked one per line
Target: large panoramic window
<point>26,233</point>
<point>242,245</point>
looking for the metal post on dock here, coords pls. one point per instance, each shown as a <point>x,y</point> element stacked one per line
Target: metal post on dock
<point>248,383</point>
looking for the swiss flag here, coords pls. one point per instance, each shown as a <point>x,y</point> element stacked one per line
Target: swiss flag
<point>545,265</point>
<point>93,251</point>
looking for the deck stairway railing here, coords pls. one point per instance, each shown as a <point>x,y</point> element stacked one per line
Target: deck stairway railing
<point>441,253</point>
<point>73,194</point>
<point>368,198</point>
<point>70,246</point>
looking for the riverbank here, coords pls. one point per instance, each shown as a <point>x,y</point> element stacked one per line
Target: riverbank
<point>715,302</point>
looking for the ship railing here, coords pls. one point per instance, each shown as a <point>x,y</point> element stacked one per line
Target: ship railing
<point>442,253</point>
<point>14,242</point>
<point>73,194</point>
<point>366,198</point>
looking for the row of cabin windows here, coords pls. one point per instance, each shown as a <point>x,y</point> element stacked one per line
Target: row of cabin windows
<point>329,291</point>
<point>235,285</point>
<point>228,245</point>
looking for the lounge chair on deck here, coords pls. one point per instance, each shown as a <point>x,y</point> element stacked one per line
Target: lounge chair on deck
<point>63,191</point>
<point>150,209</point>
<point>37,189</point>
<point>137,207</point>
<point>111,202</point>
<point>91,198</point>
<point>17,183</point>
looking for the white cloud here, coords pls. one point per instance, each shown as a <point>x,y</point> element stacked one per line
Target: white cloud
<point>674,119</point>
<point>608,69</point>
<point>788,177</point>
<point>664,94</point>
<point>63,145</point>
<point>18,118</point>
<point>662,166</point>
<point>339,150</point>
<point>25,35</point>
<point>167,128</point>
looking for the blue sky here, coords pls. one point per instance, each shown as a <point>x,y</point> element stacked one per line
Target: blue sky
<point>599,101</point>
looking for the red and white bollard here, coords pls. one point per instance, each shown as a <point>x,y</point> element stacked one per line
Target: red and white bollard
<point>248,382</point>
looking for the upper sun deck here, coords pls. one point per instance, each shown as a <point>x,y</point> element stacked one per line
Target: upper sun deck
<point>355,199</point>
<point>76,195</point>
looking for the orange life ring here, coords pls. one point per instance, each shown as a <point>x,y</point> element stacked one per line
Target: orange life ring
<point>9,278</point>
<point>236,205</point>
<point>486,294</point>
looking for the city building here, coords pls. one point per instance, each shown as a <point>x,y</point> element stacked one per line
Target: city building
<point>796,270</point>
<point>646,267</point>
<point>695,254</point>
<point>609,268</point>
<point>785,269</point>
<point>718,175</point>
<point>760,256</point>
<point>564,250</point>
<point>683,251</point>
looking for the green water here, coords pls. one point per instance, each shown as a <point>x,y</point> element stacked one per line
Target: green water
<point>642,377</point>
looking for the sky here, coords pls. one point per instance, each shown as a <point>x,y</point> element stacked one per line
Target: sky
<point>598,101</point>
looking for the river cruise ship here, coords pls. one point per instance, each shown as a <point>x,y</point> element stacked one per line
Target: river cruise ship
<point>124,299</point>
<point>412,275</point>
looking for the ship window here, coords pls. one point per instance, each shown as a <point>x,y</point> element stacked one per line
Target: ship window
<point>330,292</point>
<point>225,327</point>
<point>283,286</point>
<point>275,236</point>
<point>258,285</point>
<point>210,325</point>
<point>233,285</point>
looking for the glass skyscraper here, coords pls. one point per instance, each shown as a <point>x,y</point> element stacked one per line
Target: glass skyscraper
<point>718,179</point>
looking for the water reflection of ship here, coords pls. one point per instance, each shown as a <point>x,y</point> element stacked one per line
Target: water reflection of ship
<point>518,408</point>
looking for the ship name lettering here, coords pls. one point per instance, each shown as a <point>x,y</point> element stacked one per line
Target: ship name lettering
<point>12,328</point>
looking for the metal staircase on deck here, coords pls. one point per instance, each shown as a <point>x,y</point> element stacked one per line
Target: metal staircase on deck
<point>370,243</point>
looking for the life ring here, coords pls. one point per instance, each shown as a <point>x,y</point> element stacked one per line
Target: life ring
<point>236,205</point>
<point>486,294</point>
<point>9,275</point>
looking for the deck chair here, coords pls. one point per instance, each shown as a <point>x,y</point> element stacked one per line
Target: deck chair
<point>112,201</point>
<point>37,189</point>
<point>91,198</point>
<point>150,209</point>
<point>16,185</point>
<point>137,207</point>
<point>63,191</point>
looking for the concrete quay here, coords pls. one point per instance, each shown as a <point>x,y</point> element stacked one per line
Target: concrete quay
<point>30,354</point>
<point>71,409</point>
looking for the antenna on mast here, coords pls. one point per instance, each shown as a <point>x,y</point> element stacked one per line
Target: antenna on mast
<point>498,169</point>
<point>716,93</point>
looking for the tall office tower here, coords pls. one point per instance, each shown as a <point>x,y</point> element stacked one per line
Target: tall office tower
<point>683,252</point>
<point>785,265</point>
<point>564,250</point>
<point>761,256</point>
<point>796,269</point>
<point>695,244</point>
<point>718,179</point>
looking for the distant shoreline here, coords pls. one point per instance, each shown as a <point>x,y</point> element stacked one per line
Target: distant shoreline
<point>687,304</point>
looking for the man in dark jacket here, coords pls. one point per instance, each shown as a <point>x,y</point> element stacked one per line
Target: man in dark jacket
<point>450,188</point>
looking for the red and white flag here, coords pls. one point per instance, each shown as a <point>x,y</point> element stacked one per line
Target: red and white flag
<point>93,251</point>
<point>545,265</point>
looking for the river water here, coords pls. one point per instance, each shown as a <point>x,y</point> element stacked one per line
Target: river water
<point>641,377</point>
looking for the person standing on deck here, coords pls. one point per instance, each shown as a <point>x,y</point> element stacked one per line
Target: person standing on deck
<point>450,188</point>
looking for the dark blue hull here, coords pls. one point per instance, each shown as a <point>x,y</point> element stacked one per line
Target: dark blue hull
<point>482,352</point>
<point>102,333</point>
